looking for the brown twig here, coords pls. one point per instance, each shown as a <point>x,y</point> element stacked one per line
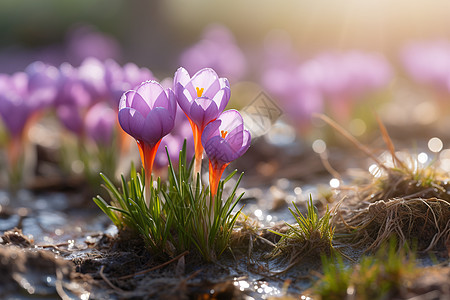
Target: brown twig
<point>387,140</point>
<point>155,268</point>
<point>351,138</point>
<point>117,289</point>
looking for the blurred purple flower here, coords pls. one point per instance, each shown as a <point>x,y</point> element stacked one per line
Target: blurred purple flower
<point>85,41</point>
<point>428,63</point>
<point>346,76</point>
<point>202,98</point>
<point>121,79</point>
<point>92,73</point>
<point>25,93</point>
<point>218,50</point>
<point>22,96</point>
<point>297,98</point>
<point>224,140</point>
<point>148,114</point>
<point>99,123</point>
<point>72,99</point>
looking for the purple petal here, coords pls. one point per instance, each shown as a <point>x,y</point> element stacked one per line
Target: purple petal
<point>162,101</point>
<point>70,116</point>
<point>185,100</point>
<point>132,122</point>
<point>224,83</point>
<point>212,90</point>
<point>181,77</point>
<point>158,123</point>
<point>210,130</point>
<point>218,150</point>
<point>221,98</point>
<point>246,140</point>
<point>208,80</point>
<point>172,102</point>
<point>231,119</point>
<point>203,111</point>
<point>150,91</point>
<point>134,100</point>
<point>182,82</point>
<point>99,123</point>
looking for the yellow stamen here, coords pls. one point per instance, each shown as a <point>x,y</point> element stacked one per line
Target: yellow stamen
<point>199,91</point>
<point>223,133</point>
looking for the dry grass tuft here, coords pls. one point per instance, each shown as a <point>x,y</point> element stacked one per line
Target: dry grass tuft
<point>403,200</point>
<point>425,222</point>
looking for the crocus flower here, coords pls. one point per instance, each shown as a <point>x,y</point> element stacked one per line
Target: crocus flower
<point>25,93</point>
<point>99,123</point>
<point>86,41</point>
<point>343,78</point>
<point>148,114</point>
<point>73,99</point>
<point>428,63</point>
<point>202,98</point>
<point>225,140</point>
<point>22,96</point>
<point>218,50</point>
<point>120,79</point>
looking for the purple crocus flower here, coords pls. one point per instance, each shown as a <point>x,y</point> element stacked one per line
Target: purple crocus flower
<point>224,139</point>
<point>148,114</point>
<point>120,79</point>
<point>15,110</point>
<point>73,99</point>
<point>297,99</point>
<point>24,93</point>
<point>22,96</point>
<point>218,50</point>
<point>99,123</point>
<point>93,75</point>
<point>428,63</point>
<point>202,98</point>
<point>86,41</point>
<point>342,78</point>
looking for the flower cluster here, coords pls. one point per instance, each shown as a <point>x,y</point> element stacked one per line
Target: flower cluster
<point>85,100</point>
<point>148,114</point>
<point>428,63</point>
<point>330,80</point>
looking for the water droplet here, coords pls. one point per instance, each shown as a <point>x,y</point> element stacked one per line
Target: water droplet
<point>334,183</point>
<point>435,144</point>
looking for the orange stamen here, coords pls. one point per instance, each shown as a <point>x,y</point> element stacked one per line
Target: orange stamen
<point>223,133</point>
<point>199,91</point>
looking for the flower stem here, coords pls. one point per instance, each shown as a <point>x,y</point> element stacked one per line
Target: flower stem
<point>148,154</point>
<point>215,173</point>
<point>197,132</point>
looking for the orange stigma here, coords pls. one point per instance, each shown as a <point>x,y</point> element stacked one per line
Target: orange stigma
<point>199,91</point>
<point>223,133</point>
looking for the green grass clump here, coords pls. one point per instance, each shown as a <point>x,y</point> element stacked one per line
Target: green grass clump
<point>311,235</point>
<point>384,275</point>
<point>128,210</point>
<point>199,224</point>
<point>179,215</point>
